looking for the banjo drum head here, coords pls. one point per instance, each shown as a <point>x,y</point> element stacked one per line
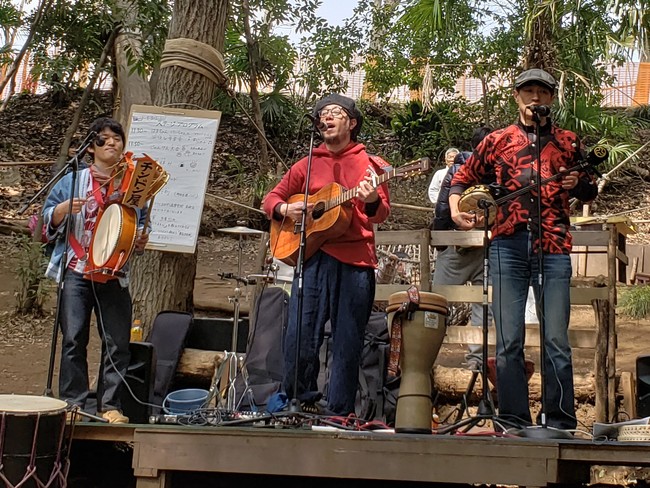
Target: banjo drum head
<point>108,230</point>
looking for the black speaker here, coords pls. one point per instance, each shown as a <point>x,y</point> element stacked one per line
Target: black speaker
<point>643,386</point>
<point>215,334</point>
<point>140,377</point>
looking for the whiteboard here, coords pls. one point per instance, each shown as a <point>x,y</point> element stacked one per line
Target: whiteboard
<point>182,142</point>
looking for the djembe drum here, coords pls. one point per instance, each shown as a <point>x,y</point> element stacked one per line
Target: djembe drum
<point>419,328</point>
<point>33,446</point>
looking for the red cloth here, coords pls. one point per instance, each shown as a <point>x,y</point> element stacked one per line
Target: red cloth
<point>357,244</point>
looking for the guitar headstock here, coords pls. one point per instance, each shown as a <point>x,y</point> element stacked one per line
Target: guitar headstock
<point>413,168</point>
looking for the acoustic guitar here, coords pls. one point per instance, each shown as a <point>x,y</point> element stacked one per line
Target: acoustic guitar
<point>330,217</point>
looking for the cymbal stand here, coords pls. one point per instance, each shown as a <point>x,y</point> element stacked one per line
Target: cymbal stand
<point>231,357</point>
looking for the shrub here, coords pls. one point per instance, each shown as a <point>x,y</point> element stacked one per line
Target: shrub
<point>635,301</point>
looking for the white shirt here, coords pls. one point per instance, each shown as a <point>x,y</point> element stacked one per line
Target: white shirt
<point>436,184</point>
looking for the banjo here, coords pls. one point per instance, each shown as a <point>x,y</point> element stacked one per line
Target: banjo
<point>116,228</point>
<point>476,199</point>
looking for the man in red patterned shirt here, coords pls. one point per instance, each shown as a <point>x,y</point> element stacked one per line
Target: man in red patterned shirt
<point>508,157</point>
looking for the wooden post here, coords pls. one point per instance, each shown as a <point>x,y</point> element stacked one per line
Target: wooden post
<point>425,263</point>
<point>612,261</point>
<point>600,360</point>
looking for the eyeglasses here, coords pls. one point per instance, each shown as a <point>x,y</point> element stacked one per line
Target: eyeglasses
<point>336,112</point>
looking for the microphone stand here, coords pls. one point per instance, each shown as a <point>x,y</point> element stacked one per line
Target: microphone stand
<point>485,410</point>
<point>73,165</point>
<point>543,431</point>
<point>294,404</point>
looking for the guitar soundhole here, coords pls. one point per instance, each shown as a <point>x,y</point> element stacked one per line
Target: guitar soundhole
<point>318,211</point>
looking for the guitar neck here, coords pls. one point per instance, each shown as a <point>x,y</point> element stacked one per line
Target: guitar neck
<point>526,189</point>
<point>350,194</point>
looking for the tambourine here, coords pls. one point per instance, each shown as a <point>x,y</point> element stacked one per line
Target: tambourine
<point>470,198</point>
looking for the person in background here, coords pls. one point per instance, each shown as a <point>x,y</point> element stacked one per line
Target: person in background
<point>339,278</point>
<point>457,265</point>
<point>81,294</point>
<point>438,176</point>
<point>510,156</point>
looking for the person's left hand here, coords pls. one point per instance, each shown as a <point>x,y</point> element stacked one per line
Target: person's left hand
<point>569,180</point>
<point>366,192</point>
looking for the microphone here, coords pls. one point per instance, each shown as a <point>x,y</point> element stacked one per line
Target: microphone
<point>99,141</point>
<point>541,110</point>
<point>318,123</point>
<point>485,203</point>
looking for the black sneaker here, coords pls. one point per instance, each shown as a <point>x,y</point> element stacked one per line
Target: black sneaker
<point>317,408</point>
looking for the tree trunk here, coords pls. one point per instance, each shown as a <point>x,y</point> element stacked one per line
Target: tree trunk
<point>540,48</point>
<point>253,61</point>
<point>132,88</point>
<point>160,280</point>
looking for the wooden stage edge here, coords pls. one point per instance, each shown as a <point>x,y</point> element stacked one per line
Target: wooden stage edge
<point>159,450</point>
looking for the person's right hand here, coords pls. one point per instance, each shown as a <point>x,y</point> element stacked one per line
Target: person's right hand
<point>466,220</point>
<point>294,210</point>
<point>61,210</point>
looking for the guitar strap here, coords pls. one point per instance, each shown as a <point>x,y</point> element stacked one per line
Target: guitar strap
<point>383,164</point>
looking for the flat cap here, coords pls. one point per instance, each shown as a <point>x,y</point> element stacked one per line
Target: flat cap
<point>535,75</point>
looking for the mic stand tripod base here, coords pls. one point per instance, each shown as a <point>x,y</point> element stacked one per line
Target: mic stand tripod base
<point>294,406</point>
<point>541,432</point>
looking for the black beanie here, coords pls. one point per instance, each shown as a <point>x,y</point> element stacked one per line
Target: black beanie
<point>346,104</point>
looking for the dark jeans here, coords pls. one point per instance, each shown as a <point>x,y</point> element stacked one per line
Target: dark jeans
<point>344,294</point>
<point>513,266</point>
<point>112,306</point>
<point>457,266</point>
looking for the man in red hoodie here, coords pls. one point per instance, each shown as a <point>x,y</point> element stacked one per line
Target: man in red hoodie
<point>339,278</point>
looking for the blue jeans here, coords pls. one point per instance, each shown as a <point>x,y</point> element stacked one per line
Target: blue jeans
<point>343,294</point>
<point>513,266</point>
<point>112,306</point>
<point>457,266</point>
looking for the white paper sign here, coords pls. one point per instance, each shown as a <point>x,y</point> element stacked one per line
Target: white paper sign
<point>182,142</point>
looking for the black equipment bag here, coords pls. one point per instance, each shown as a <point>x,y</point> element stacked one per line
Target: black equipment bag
<point>377,394</point>
<point>264,363</point>
<point>168,333</point>
<point>376,398</point>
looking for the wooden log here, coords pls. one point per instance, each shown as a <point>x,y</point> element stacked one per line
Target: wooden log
<point>451,383</point>
<point>196,365</point>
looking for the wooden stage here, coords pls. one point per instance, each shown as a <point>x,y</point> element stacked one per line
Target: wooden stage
<point>161,450</point>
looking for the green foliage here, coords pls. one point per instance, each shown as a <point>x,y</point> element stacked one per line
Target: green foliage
<point>640,114</point>
<point>151,26</point>
<point>449,123</point>
<point>10,16</point>
<point>10,20</point>
<point>635,301</point>
<point>274,58</point>
<point>280,113</point>
<point>32,290</point>
<point>77,30</point>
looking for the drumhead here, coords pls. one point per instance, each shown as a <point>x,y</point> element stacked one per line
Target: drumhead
<point>30,404</point>
<point>107,234</point>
